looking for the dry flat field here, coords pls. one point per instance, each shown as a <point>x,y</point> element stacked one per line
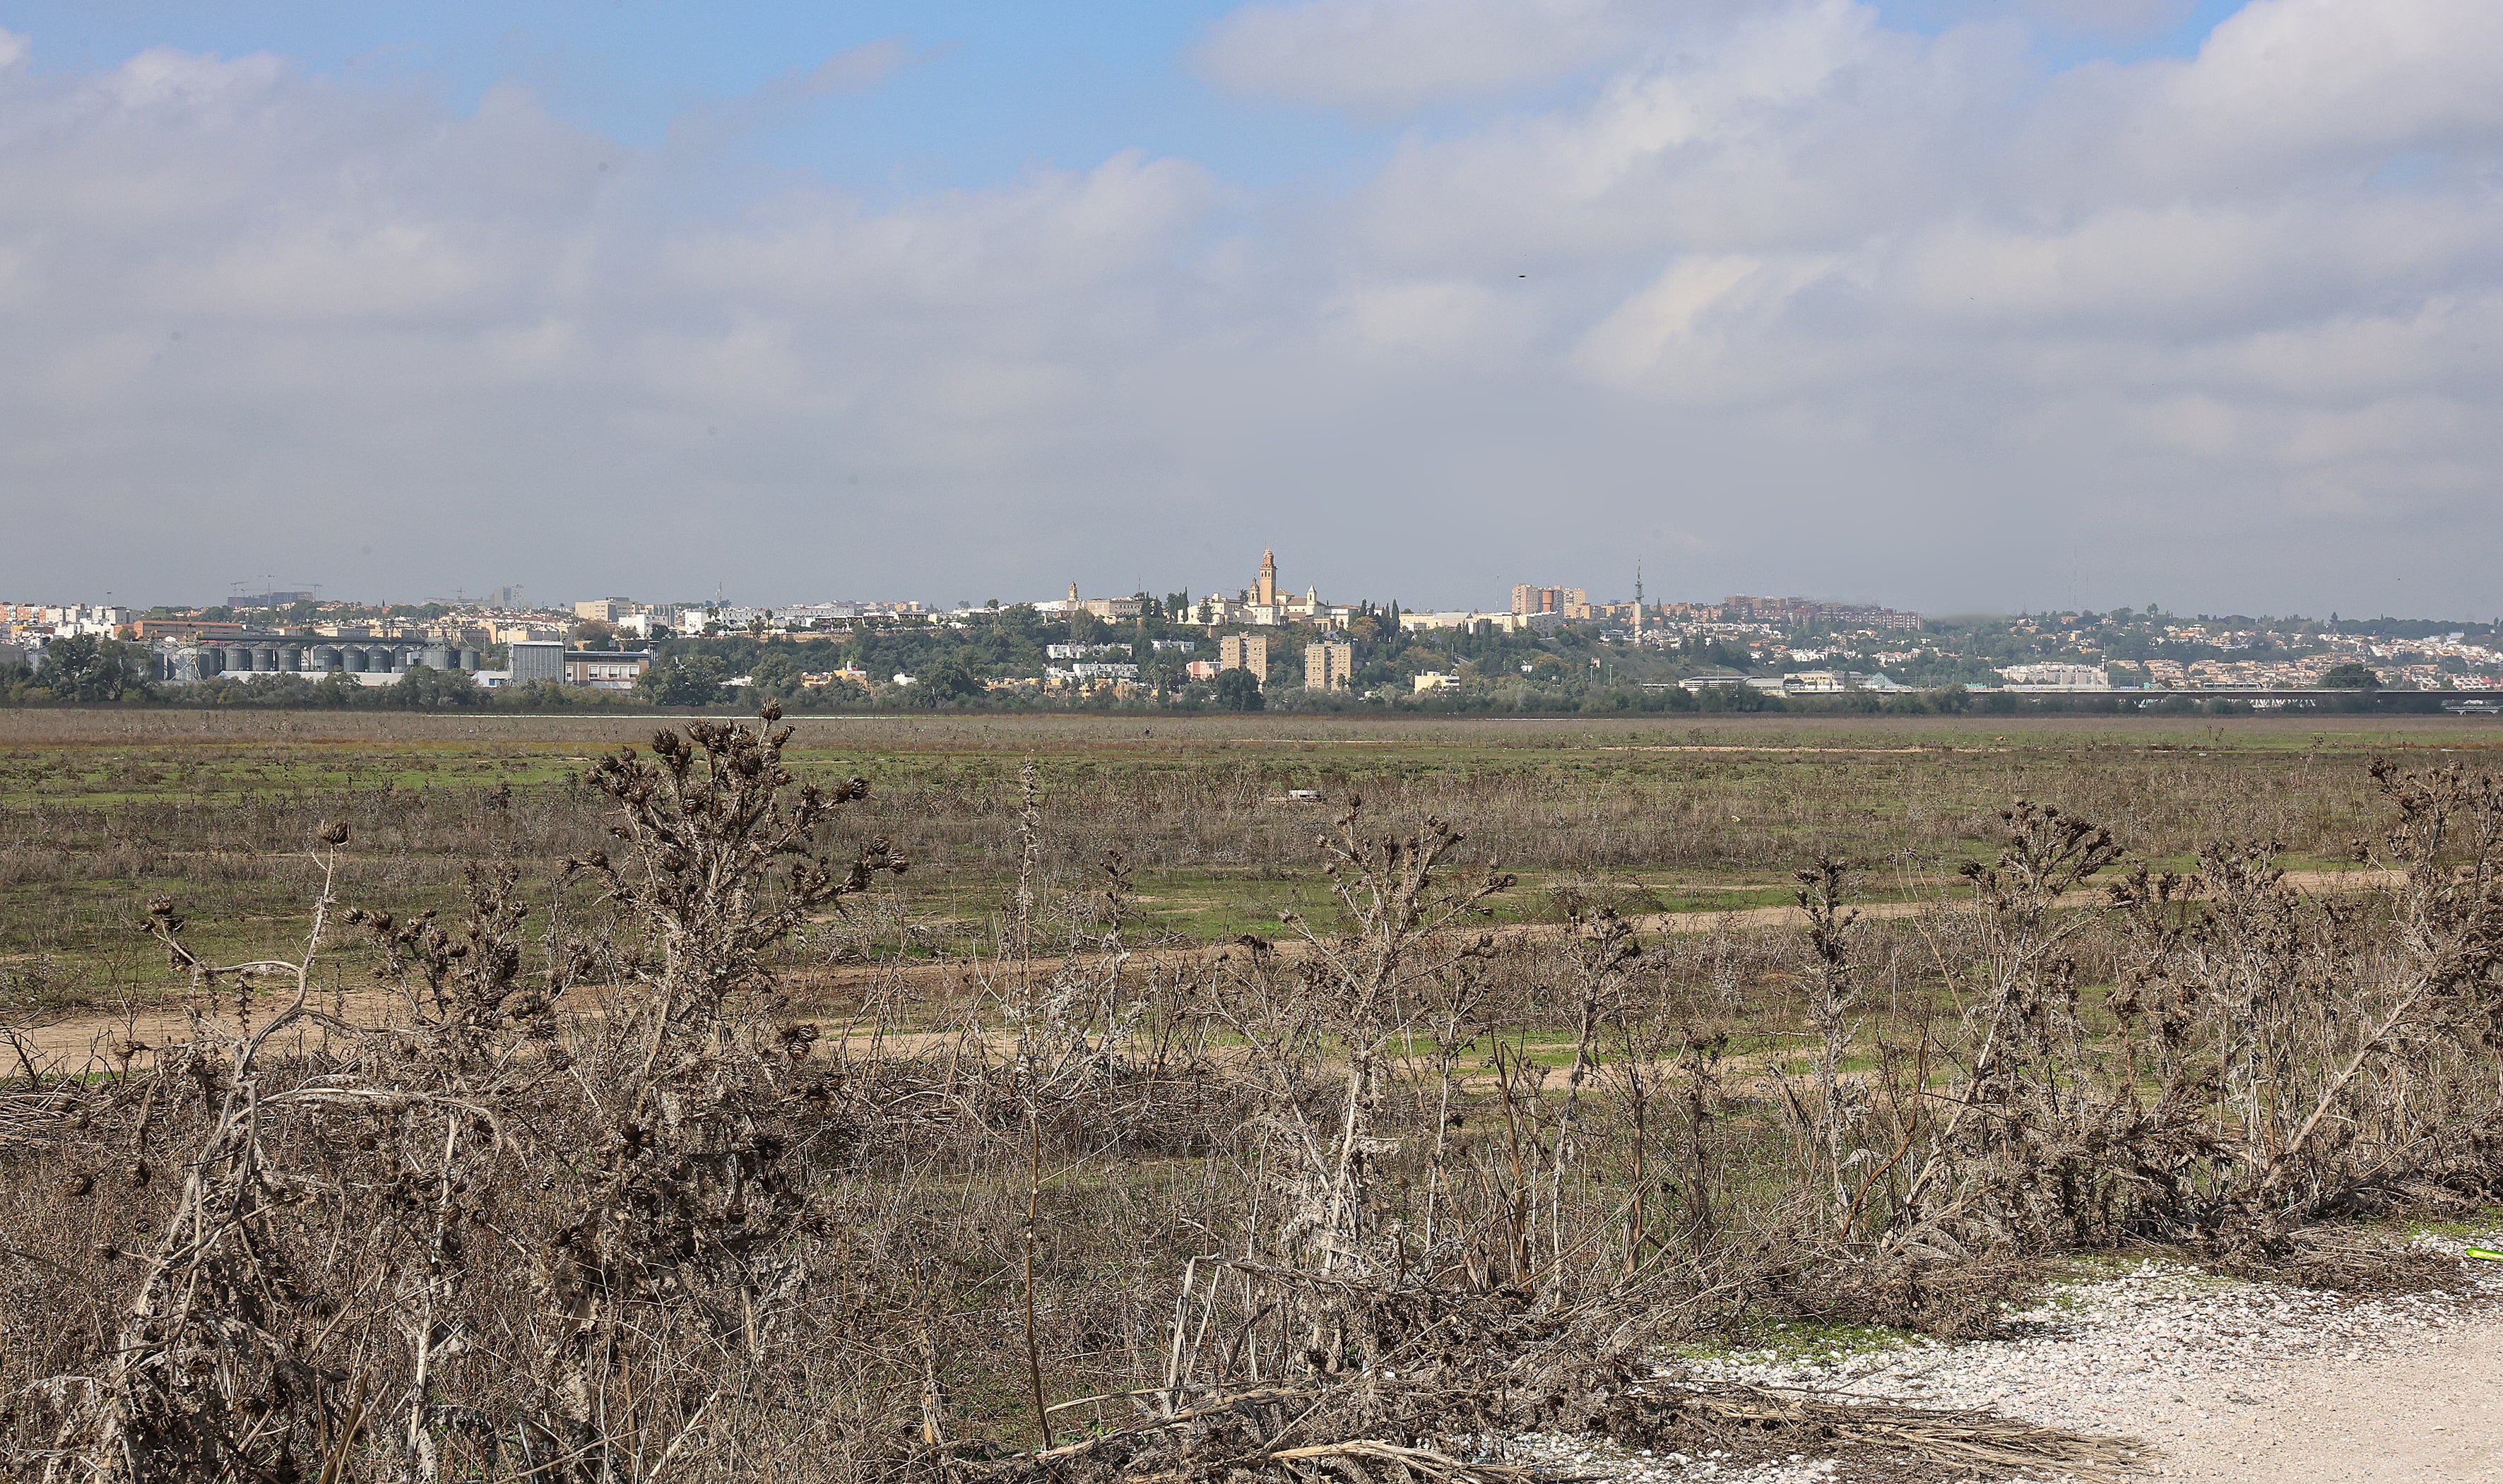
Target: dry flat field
<point>1085,1102</point>
<point>101,811</point>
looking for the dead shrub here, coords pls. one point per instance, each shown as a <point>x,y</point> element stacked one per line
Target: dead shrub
<point>1354,1200</point>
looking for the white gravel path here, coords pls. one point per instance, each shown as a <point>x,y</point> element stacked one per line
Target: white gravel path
<point>2251,1383</point>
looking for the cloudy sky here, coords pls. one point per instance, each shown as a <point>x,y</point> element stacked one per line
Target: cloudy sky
<point>1951,304</point>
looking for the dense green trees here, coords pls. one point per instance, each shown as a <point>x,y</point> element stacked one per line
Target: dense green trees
<point>958,662</point>
<point>682,680</point>
<point>423,688</point>
<point>777,675</point>
<point>87,669</point>
<point>1237,691</point>
<point>948,682</point>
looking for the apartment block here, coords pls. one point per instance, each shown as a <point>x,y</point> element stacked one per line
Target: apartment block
<point>1564,602</point>
<point>2057,677</point>
<point>605,669</point>
<point>1244,651</point>
<point>1329,666</point>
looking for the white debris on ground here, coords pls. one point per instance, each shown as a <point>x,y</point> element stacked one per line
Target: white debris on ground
<point>1554,1457</point>
<point>2144,1349</point>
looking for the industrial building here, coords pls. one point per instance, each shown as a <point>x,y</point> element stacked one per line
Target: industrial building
<point>245,655</point>
<point>535,659</point>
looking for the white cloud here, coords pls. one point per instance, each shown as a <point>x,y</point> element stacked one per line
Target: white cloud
<point>1431,319</point>
<point>857,69</point>
<point>2193,269</point>
<point>1696,332</point>
<point>2440,344</point>
<point>1053,233</point>
<point>1791,122</point>
<point>2108,17</point>
<point>1775,292</point>
<point>2281,91</point>
<point>1388,54</point>
<point>232,288</point>
<point>2316,79</point>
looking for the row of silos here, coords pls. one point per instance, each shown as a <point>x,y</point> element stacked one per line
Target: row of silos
<point>321,656</point>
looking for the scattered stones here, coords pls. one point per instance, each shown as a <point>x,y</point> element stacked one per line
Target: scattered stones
<point>2147,1349</point>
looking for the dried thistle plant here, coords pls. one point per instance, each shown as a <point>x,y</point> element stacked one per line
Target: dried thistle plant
<point>1350,994</point>
<point>214,1371</point>
<point>1359,1198</point>
<point>692,1206</point>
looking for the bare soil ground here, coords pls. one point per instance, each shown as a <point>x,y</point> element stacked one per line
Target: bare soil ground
<point>2223,1381</point>
<point>2429,1413</point>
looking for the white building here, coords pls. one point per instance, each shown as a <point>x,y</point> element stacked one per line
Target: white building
<point>87,618</point>
<point>1083,673</point>
<point>2055,677</point>
<point>1461,618</point>
<point>1837,682</point>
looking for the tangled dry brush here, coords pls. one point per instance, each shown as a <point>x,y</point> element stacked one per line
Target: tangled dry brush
<point>1357,1201</point>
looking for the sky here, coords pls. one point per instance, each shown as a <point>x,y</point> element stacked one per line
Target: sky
<point>1954,305</point>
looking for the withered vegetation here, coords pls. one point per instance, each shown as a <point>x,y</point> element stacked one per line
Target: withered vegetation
<point>1358,1200</point>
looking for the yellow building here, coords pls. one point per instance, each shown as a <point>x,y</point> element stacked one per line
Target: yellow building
<point>1566,602</point>
<point>1329,666</point>
<point>1244,651</point>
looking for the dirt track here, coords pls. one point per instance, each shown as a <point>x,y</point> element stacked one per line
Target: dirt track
<point>94,1035</point>
<point>2432,1414</point>
<point>2218,1381</point>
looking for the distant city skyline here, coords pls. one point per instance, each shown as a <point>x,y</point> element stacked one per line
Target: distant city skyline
<point>1953,305</point>
<point>1074,646</point>
<point>503,596</point>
